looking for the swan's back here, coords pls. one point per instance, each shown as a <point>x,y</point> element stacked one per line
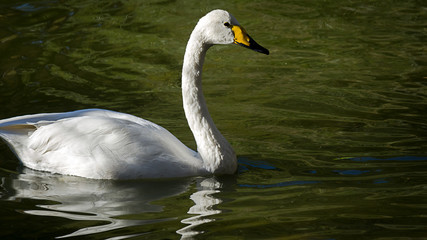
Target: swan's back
<point>98,144</point>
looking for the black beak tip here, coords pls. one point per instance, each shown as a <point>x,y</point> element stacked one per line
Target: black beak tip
<point>263,50</point>
<point>256,47</point>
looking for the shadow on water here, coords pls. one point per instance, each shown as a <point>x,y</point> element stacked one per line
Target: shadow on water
<point>346,171</point>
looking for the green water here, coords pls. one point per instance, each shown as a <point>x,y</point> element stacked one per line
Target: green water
<point>330,129</point>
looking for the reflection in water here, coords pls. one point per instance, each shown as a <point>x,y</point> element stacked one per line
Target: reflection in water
<point>104,200</point>
<point>204,203</point>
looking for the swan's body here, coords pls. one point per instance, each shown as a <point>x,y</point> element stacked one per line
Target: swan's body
<point>103,144</point>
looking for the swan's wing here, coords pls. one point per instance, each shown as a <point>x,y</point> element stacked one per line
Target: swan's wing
<point>98,144</point>
<point>33,118</point>
<point>16,130</point>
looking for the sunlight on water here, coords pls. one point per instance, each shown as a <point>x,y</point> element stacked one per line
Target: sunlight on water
<point>329,129</point>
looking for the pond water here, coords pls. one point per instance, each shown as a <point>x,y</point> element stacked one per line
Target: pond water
<point>330,129</point>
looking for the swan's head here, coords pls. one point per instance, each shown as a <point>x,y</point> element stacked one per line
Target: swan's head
<point>220,27</point>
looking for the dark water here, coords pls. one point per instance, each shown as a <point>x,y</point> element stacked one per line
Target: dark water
<point>330,128</point>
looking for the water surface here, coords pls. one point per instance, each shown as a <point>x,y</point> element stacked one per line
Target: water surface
<point>330,129</point>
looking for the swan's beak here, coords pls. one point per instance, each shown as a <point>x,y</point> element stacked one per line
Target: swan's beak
<point>242,38</point>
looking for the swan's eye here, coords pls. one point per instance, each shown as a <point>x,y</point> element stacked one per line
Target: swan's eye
<point>227,24</point>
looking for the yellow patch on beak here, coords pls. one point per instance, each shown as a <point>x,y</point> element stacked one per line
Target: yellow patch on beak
<point>242,38</point>
<point>240,35</point>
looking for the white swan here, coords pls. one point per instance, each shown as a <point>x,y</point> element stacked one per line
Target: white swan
<point>103,144</point>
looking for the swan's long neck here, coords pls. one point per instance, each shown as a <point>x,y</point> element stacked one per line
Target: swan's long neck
<point>216,152</point>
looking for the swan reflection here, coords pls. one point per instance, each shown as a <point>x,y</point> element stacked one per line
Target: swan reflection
<point>109,201</point>
<point>204,202</point>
